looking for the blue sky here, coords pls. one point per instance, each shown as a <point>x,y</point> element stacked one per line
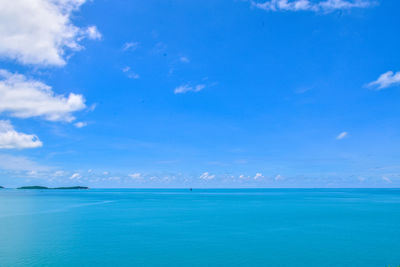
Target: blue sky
<point>200,94</point>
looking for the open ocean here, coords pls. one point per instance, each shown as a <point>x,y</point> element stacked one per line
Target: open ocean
<point>216,227</point>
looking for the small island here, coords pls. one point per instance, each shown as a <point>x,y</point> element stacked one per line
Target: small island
<point>44,187</point>
<point>72,187</point>
<point>33,187</point>
<point>1,187</point>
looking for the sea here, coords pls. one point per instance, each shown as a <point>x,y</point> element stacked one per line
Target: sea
<point>203,227</point>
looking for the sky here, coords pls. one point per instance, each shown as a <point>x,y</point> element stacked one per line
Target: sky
<point>217,94</point>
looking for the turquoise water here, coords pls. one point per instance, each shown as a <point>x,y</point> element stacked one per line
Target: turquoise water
<point>254,227</point>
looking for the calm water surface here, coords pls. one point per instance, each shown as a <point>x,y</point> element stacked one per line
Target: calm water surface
<point>251,227</point>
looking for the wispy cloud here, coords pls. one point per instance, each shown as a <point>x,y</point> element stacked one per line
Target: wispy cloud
<point>188,88</point>
<point>387,179</point>
<point>386,80</point>
<point>10,138</point>
<point>44,37</point>
<point>75,176</point>
<point>184,60</point>
<point>20,163</point>
<point>341,135</point>
<point>130,73</point>
<point>130,46</point>
<point>361,179</point>
<point>24,98</point>
<point>80,124</point>
<point>135,175</point>
<point>307,5</point>
<point>160,48</point>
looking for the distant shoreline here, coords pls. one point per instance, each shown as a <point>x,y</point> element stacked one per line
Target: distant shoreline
<point>44,187</point>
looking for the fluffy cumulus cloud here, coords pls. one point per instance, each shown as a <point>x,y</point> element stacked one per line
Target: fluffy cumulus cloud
<point>24,98</point>
<point>93,33</point>
<point>40,32</point>
<point>341,135</point>
<point>207,176</point>
<point>10,138</point>
<point>386,80</point>
<point>308,5</point>
<point>188,88</point>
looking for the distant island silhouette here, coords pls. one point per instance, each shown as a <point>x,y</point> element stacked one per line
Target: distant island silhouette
<point>1,187</point>
<point>44,187</point>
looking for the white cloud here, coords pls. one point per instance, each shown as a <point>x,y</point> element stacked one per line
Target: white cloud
<point>93,33</point>
<point>40,31</point>
<point>135,175</point>
<point>187,88</point>
<point>207,176</point>
<point>134,76</point>
<point>258,176</point>
<point>132,46</point>
<point>307,5</point>
<point>23,98</point>
<point>184,60</point>
<point>10,138</point>
<point>75,176</point>
<point>386,80</point>
<point>278,177</point>
<point>130,73</point>
<point>80,124</point>
<point>341,135</point>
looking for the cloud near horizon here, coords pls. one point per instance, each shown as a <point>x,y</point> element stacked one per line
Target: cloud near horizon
<point>307,5</point>
<point>25,98</point>
<point>75,176</point>
<point>135,175</point>
<point>40,32</point>
<point>258,176</point>
<point>207,176</point>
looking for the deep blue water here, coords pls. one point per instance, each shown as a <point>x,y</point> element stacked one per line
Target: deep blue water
<point>251,227</point>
